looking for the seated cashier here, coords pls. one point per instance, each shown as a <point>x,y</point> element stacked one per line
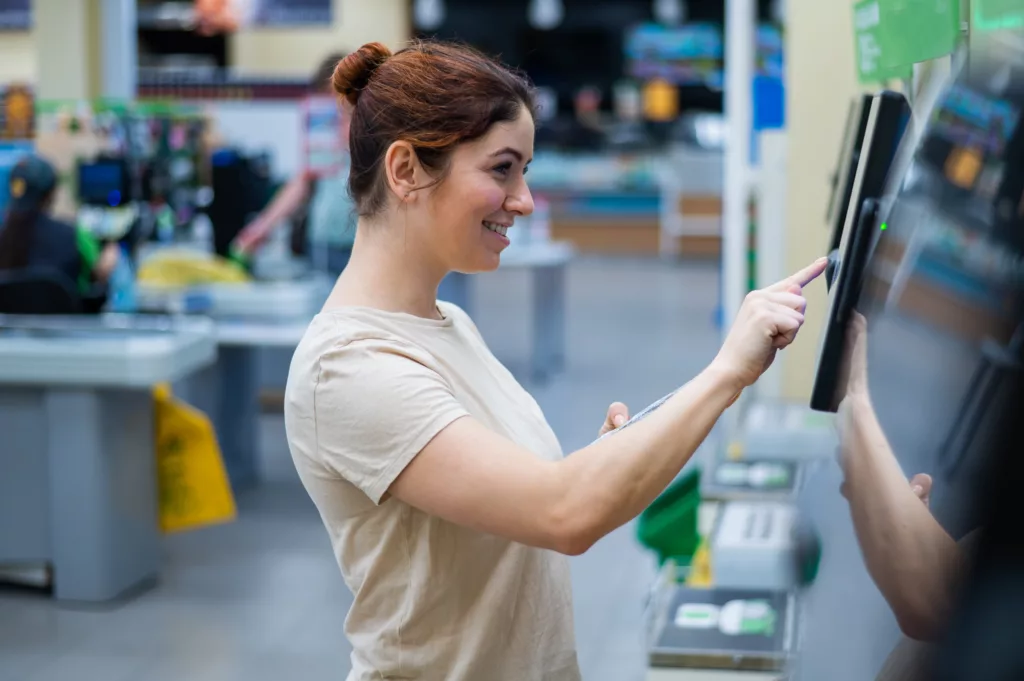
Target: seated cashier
<point>31,239</point>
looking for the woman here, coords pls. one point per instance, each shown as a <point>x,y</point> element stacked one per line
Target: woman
<point>319,203</point>
<point>445,493</point>
<point>31,239</point>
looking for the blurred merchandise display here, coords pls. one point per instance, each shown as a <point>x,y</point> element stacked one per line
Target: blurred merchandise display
<point>10,153</point>
<point>130,172</point>
<point>660,101</point>
<point>692,54</point>
<point>15,15</point>
<point>770,43</point>
<point>208,83</point>
<point>323,136</point>
<point>17,112</point>
<point>594,171</point>
<point>214,17</point>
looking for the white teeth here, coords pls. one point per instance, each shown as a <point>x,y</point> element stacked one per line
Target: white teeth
<point>500,229</point>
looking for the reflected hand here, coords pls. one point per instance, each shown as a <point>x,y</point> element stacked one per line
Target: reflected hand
<point>618,414</point>
<point>920,485</point>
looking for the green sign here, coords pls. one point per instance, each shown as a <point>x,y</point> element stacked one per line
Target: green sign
<point>913,31</point>
<point>871,62</point>
<point>994,15</point>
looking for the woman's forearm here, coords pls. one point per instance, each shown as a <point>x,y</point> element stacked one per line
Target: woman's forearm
<point>284,204</point>
<point>910,557</point>
<point>609,482</point>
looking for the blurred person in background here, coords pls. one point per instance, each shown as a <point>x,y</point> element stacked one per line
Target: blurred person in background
<point>318,206</point>
<point>445,493</point>
<point>914,562</point>
<point>32,239</point>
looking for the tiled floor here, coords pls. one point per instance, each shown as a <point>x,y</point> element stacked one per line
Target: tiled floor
<point>261,599</point>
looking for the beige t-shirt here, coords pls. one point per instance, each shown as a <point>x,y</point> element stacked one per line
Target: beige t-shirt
<point>367,390</point>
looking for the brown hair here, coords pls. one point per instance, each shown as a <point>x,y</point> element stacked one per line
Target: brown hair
<point>432,95</point>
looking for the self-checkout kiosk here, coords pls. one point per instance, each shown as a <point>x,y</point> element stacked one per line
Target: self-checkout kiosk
<point>757,541</point>
<point>721,634</point>
<point>887,120</point>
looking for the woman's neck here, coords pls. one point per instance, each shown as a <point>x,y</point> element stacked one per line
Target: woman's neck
<point>388,272</point>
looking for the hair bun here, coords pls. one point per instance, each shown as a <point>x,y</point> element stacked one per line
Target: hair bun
<point>352,73</point>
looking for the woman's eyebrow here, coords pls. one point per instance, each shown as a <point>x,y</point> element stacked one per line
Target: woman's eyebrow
<point>510,150</point>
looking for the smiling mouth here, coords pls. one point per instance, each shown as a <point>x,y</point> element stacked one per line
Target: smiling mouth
<point>495,227</point>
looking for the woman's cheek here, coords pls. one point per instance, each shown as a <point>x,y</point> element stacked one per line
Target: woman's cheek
<point>492,198</point>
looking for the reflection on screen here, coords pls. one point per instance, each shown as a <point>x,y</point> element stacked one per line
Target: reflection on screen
<point>946,282</point>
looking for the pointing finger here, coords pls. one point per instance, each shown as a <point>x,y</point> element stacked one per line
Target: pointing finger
<point>803,277</point>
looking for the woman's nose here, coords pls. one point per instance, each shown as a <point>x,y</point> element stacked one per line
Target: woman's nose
<point>521,202</point>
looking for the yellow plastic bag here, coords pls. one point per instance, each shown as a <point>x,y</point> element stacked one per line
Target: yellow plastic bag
<point>193,483</point>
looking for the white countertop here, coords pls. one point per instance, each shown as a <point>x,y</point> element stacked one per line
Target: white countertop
<point>278,300</point>
<point>546,254</point>
<point>106,351</point>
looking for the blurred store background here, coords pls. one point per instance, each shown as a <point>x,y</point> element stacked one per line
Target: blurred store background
<point>152,525</point>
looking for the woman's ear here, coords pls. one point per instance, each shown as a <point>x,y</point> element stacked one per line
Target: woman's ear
<point>405,174</point>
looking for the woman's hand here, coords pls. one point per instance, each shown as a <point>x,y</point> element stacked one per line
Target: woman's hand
<point>767,322</point>
<point>618,414</point>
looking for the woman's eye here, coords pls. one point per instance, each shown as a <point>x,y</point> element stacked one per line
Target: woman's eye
<point>503,168</point>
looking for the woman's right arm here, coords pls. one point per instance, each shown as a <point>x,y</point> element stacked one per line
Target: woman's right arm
<point>472,476</point>
<point>284,204</point>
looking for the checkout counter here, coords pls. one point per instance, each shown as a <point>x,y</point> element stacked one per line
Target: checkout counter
<point>246,319</point>
<point>78,483</point>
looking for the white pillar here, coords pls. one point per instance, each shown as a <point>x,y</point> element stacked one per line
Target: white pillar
<point>119,49</point>
<point>771,233</point>
<point>740,45</point>
<point>85,49</point>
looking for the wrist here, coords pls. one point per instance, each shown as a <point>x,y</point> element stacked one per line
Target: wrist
<point>727,377</point>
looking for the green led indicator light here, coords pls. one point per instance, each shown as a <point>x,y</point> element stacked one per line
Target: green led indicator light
<point>884,225</point>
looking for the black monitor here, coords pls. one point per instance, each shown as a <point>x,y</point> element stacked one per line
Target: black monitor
<point>104,182</point>
<point>849,158</point>
<point>887,121</point>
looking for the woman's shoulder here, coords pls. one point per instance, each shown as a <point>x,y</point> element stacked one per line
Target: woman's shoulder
<point>363,337</point>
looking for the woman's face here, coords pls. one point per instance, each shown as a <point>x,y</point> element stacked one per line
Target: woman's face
<point>471,211</point>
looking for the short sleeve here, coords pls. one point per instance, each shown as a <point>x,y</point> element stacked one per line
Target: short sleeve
<point>377,404</point>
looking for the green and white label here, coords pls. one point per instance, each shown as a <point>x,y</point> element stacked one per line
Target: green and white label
<point>997,15</point>
<point>913,31</point>
<point>869,45</point>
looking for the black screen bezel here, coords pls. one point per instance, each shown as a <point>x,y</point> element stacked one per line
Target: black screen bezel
<point>884,132</point>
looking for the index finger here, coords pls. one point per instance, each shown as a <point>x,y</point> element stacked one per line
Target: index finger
<point>801,278</point>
